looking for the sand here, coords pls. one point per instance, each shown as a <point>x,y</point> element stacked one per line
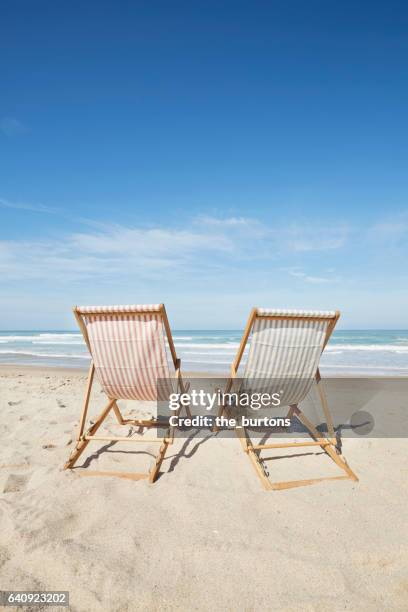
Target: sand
<point>206,535</point>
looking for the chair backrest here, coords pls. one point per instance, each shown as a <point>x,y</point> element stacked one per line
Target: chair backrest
<point>285,349</point>
<point>127,345</point>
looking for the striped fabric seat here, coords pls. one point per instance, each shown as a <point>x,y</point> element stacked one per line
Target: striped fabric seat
<point>285,350</point>
<point>120,309</point>
<point>275,312</point>
<point>127,344</point>
<point>284,353</point>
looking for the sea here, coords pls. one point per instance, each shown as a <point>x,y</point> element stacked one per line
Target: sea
<point>354,353</point>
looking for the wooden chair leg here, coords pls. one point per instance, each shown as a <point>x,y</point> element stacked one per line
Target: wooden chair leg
<point>242,435</point>
<point>247,447</point>
<point>327,445</point>
<point>259,468</point>
<point>159,460</point>
<point>341,462</point>
<point>325,406</point>
<point>328,448</point>
<point>82,443</point>
<point>183,388</point>
<point>279,486</point>
<point>84,412</point>
<point>118,414</point>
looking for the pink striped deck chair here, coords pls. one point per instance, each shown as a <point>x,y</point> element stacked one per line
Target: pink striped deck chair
<point>285,349</point>
<point>128,355</point>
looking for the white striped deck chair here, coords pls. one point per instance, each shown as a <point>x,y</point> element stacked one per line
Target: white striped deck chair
<point>285,349</point>
<point>129,358</point>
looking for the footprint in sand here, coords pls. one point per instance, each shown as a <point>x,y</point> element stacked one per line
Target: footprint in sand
<point>65,440</point>
<point>15,483</point>
<point>48,446</point>
<point>61,404</point>
<point>5,555</point>
<point>14,466</point>
<point>14,403</point>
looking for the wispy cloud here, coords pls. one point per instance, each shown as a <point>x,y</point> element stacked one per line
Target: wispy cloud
<point>115,252</point>
<point>391,231</point>
<point>12,127</point>
<point>317,280</point>
<point>41,208</point>
<point>205,247</point>
<point>226,221</point>
<point>316,238</point>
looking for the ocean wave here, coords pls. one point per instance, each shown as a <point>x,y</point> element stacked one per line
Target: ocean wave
<point>393,348</point>
<point>205,336</point>
<point>217,353</point>
<point>365,368</point>
<point>59,342</point>
<point>24,353</point>
<point>193,345</point>
<point>45,338</point>
<point>211,361</point>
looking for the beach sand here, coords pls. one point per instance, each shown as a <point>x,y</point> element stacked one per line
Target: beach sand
<point>206,535</point>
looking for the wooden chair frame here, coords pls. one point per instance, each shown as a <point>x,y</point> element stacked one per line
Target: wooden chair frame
<point>84,437</point>
<point>329,445</point>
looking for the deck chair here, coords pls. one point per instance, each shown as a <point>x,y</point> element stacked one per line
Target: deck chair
<point>286,345</point>
<point>129,357</point>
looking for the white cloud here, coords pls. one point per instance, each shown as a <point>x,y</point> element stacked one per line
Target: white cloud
<point>205,262</point>
<point>150,242</point>
<point>115,252</point>
<point>205,247</point>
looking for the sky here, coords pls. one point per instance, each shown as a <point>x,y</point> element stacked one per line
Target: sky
<point>213,156</point>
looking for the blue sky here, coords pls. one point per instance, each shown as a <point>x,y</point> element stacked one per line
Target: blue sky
<point>211,155</point>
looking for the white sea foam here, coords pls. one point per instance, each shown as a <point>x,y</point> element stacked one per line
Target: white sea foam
<point>373,351</point>
<point>44,338</point>
<point>225,345</point>
<point>394,348</point>
<point>24,353</point>
<point>361,367</point>
<point>78,342</point>
<point>217,354</point>
<point>210,361</point>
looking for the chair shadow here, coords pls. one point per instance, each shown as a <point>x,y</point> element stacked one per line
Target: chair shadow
<point>106,448</point>
<point>183,454</point>
<point>294,455</point>
<point>299,428</point>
